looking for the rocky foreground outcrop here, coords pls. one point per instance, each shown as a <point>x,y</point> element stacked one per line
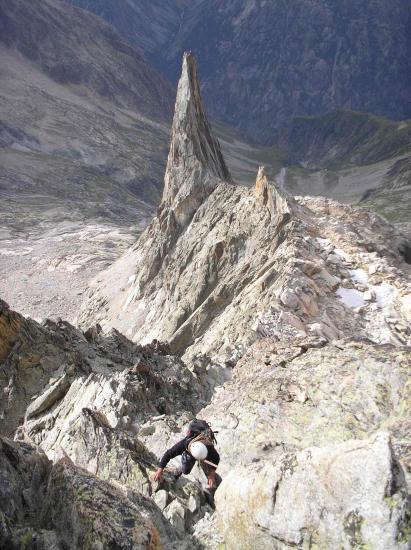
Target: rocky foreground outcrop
<point>88,401</point>
<point>46,506</point>
<point>286,322</point>
<point>316,444</point>
<point>341,496</point>
<point>314,438</point>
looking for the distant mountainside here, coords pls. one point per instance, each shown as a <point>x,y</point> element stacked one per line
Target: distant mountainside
<point>73,89</point>
<point>351,157</point>
<point>292,74</point>
<point>148,24</point>
<point>345,137</point>
<point>75,48</point>
<point>265,63</point>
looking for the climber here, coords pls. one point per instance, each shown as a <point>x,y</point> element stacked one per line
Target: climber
<point>197,445</point>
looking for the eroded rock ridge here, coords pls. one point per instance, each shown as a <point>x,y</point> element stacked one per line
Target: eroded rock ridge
<point>221,264</point>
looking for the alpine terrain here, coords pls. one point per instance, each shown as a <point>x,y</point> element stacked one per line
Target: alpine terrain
<point>84,129</point>
<point>352,157</point>
<point>325,82</point>
<point>83,133</point>
<point>282,320</point>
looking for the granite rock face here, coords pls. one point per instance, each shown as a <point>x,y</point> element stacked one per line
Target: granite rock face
<point>300,392</point>
<point>60,506</point>
<point>195,163</point>
<point>298,420</point>
<point>349,495</point>
<point>332,421</point>
<point>90,402</point>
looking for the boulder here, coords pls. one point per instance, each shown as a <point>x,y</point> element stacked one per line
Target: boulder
<point>348,495</point>
<point>176,512</point>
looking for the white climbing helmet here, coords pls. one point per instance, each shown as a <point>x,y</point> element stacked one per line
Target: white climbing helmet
<point>198,450</point>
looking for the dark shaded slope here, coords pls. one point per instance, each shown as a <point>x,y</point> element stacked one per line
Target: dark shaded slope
<point>75,48</point>
<point>264,63</point>
<point>148,24</point>
<point>345,137</point>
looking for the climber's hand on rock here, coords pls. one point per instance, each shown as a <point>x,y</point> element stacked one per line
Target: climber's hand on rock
<point>158,475</point>
<point>211,479</point>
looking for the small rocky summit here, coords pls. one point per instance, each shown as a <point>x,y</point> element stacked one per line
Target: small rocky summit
<point>284,321</point>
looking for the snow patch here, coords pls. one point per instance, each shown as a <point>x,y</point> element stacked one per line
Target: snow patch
<point>359,276</point>
<point>351,297</point>
<point>384,294</point>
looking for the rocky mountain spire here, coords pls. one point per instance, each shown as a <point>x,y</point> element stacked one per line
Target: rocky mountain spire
<point>261,184</point>
<point>195,162</point>
<point>277,202</point>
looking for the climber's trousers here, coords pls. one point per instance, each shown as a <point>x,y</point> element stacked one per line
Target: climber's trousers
<point>187,464</point>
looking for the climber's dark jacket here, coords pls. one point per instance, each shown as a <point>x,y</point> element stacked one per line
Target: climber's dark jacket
<point>181,447</point>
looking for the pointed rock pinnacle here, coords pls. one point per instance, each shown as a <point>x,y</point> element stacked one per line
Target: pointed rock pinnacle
<point>277,202</point>
<point>195,162</point>
<point>261,184</point>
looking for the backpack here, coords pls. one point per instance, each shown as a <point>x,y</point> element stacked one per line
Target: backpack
<point>200,430</point>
